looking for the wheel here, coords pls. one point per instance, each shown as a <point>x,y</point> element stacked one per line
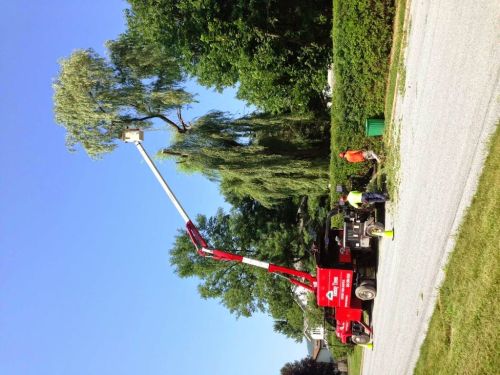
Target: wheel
<point>370,282</point>
<point>375,229</point>
<point>366,292</point>
<point>362,338</point>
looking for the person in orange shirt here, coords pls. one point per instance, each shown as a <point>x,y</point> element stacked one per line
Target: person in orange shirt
<point>358,156</point>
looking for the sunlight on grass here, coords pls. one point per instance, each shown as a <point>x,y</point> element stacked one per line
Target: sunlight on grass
<point>463,332</point>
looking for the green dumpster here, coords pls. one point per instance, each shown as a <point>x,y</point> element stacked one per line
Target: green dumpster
<point>374,127</point>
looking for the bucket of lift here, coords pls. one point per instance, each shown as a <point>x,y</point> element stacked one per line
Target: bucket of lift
<point>133,135</point>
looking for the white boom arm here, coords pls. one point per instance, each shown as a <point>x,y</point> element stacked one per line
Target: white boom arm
<point>136,136</point>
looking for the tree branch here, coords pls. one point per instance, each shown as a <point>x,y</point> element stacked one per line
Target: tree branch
<point>161,117</point>
<point>96,102</point>
<point>220,274</point>
<point>179,116</point>
<point>166,151</point>
<point>181,129</point>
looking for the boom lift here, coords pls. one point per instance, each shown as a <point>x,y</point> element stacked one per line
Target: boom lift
<point>340,290</point>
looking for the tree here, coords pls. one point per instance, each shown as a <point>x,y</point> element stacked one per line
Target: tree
<point>137,60</point>
<point>254,231</point>
<point>265,157</point>
<point>277,51</point>
<point>95,100</point>
<point>308,366</point>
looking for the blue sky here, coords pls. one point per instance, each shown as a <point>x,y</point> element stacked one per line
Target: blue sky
<point>85,282</point>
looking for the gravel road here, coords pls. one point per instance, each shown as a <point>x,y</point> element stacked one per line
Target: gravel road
<point>449,107</point>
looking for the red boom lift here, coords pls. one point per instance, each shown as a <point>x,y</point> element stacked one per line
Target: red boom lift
<point>340,290</point>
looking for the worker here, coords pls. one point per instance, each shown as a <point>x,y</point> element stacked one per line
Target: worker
<point>358,156</point>
<point>356,198</point>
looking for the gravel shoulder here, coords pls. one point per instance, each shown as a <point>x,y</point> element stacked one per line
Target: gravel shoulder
<point>449,108</point>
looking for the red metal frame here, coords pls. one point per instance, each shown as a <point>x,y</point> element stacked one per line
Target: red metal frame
<point>203,250</point>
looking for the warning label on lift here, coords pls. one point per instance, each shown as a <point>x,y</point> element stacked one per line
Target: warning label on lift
<point>334,287</point>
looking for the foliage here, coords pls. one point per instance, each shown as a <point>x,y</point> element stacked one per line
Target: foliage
<point>277,51</point>
<point>313,314</point>
<point>354,360</point>
<point>462,336</point>
<point>96,100</point>
<point>268,158</point>
<point>132,58</point>
<point>338,350</point>
<point>361,46</point>
<point>308,366</point>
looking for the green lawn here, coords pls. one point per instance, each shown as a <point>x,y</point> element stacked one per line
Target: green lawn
<point>354,361</point>
<point>396,71</point>
<point>463,332</point>
<point>396,82</point>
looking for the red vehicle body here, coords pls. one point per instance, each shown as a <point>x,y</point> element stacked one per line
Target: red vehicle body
<point>336,291</point>
<point>346,273</point>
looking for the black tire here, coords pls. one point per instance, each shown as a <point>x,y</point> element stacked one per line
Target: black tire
<point>374,228</point>
<point>362,338</point>
<point>366,292</point>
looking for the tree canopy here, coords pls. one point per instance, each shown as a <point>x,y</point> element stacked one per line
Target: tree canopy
<point>95,99</point>
<point>308,366</point>
<point>277,51</point>
<point>254,231</point>
<point>269,158</point>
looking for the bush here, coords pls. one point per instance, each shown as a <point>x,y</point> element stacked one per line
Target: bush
<point>362,32</point>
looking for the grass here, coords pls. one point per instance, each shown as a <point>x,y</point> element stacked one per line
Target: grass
<point>463,332</point>
<point>397,71</point>
<point>395,84</point>
<point>354,361</point>
<point>362,37</point>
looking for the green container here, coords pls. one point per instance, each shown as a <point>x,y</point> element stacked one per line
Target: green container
<point>374,127</point>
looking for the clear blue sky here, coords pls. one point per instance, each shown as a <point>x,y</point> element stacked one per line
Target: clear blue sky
<point>85,282</point>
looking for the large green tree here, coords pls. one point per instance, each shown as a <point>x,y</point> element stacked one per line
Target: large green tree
<point>95,99</point>
<point>276,51</point>
<point>269,158</point>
